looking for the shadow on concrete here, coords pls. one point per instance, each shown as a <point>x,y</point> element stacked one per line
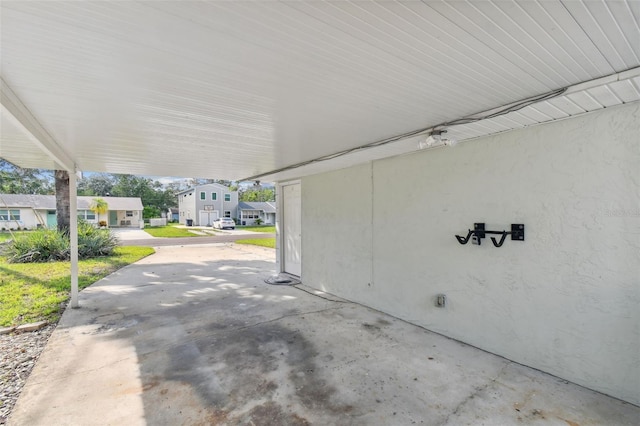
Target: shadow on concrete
<point>192,335</point>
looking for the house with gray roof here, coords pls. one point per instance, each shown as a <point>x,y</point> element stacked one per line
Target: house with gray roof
<point>35,211</point>
<point>202,204</point>
<point>249,212</point>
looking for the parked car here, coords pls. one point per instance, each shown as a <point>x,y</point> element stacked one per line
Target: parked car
<point>224,223</point>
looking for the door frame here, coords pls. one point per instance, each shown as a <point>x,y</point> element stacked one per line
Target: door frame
<point>280,254</point>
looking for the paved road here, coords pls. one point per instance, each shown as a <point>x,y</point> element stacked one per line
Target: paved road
<point>155,242</point>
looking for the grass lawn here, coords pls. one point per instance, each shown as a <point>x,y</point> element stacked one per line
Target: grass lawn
<point>264,242</point>
<point>169,232</point>
<point>6,235</point>
<point>32,292</point>
<point>265,228</point>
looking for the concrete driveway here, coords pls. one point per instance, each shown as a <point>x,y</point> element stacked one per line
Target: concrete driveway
<point>193,336</point>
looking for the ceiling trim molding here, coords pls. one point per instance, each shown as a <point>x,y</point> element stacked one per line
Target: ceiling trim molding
<point>16,111</point>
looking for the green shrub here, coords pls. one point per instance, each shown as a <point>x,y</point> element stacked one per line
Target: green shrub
<point>93,242</point>
<point>41,245</point>
<point>49,245</point>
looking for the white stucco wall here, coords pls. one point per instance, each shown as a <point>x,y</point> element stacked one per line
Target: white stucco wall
<point>565,301</point>
<point>339,261</point>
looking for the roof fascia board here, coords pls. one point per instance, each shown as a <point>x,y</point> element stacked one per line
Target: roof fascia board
<point>597,82</point>
<point>22,117</point>
<point>197,187</point>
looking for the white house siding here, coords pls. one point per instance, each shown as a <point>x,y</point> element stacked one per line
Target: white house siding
<point>34,210</point>
<point>564,301</point>
<point>187,207</point>
<point>123,219</point>
<point>27,220</point>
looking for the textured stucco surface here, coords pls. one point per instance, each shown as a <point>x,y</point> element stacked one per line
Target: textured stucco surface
<point>341,262</point>
<point>564,301</point>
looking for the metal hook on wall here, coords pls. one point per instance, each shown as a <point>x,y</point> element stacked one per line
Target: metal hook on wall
<point>464,240</point>
<point>499,244</point>
<point>479,232</point>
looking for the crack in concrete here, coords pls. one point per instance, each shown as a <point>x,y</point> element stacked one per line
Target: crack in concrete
<point>297,287</point>
<point>286,316</point>
<point>476,392</point>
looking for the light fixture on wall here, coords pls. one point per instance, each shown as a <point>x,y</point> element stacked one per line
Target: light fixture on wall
<point>436,138</point>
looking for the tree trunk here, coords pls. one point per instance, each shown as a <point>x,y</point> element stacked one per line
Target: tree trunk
<point>62,200</point>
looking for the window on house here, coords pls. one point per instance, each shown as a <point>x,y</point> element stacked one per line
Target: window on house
<point>129,213</point>
<point>214,196</point>
<point>250,214</point>
<point>227,197</point>
<point>86,215</point>
<point>227,213</point>
<point>203,196</point>
<point>9,214</point>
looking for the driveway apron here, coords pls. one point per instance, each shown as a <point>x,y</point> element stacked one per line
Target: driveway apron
<point>193,336</point>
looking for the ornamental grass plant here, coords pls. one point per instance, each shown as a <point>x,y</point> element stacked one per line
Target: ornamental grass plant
<point>50,245</point>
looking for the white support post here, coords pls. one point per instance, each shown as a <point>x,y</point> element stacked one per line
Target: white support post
<point>73,235</point>
<point>14,109</point>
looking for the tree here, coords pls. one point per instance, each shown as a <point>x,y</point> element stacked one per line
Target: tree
<point>132,186</point>
<point>63,207</point>
<point>152,193</point>
<point>257,194</point>
<point>227,183</point>
<point>150,212</point>
<point>97,184</point>
<point>99,206</point>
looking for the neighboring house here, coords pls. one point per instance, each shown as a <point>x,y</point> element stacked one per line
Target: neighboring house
<point>173,214</point>
<point>203,204</point>
<point>249,212</point>
<point>35,211</point>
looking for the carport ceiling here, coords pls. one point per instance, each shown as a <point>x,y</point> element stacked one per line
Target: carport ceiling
<point>237,89</point>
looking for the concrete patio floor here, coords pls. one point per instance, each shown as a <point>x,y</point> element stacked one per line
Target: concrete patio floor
<point>193,336</point>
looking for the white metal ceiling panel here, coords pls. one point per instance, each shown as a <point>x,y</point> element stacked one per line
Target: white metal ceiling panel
<point>237,89</point>
<point>585,101</point>
<point>567,106</point>
<point>604,31</point>
<point>604,96</point>
<point>625,90</point>
<point>534,114</point>
<point>15,143</point>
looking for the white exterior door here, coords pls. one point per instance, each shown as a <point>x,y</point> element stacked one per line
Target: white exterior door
<point>207,217</point>
<point>292,229</point>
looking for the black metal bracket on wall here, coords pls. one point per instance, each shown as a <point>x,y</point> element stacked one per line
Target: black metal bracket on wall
<point>479,232</point>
